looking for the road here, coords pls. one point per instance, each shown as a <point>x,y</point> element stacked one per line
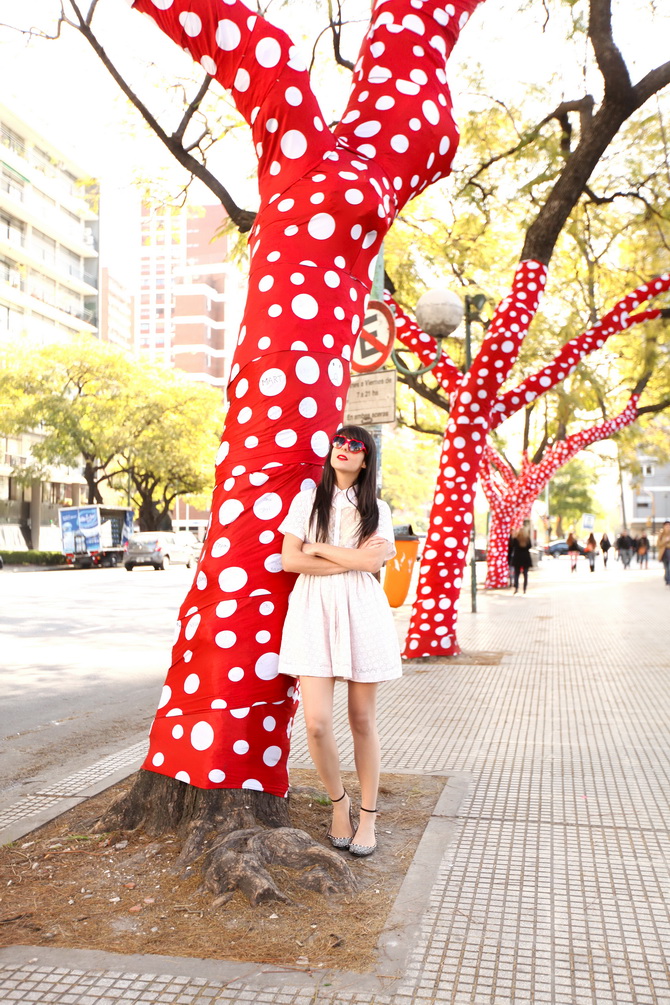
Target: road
<point>83,656</point>
<point>84,653</point>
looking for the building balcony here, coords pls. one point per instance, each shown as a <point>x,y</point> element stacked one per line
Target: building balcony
<point>22,251</point>
<point>199,347</point>
<point>29,211</point>
<point>47,178</point>
<point>74,317</point>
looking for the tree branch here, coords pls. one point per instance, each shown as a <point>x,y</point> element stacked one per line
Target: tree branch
<point>610,61</point>
<point>335,27</point>
<point>650,84</point>
<point>91,12</point>
<point>429,393</point>
<point>34,33</point>
<point>658,407</point>
<point>243,218</point>
<point>416,425</point>
<point>178,134</point>
<point>582,105</point>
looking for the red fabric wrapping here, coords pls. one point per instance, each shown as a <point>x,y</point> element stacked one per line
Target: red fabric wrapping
<point>327,199</point>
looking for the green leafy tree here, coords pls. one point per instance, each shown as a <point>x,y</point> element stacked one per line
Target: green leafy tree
<point>124,419</point>
<point>410,464</point>
<point>174,432</point>
<point>77,395</point>
<point>571,492</point>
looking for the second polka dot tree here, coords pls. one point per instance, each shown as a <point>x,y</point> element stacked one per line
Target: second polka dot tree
<point>478,406</point>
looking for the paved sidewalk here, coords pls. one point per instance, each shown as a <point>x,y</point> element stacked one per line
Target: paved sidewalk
<point>545,877</point>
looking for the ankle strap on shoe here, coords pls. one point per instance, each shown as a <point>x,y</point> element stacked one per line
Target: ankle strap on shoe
<point>363,810</point>
<point>340,799</point>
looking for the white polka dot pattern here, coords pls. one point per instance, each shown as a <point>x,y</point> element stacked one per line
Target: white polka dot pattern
<point>511,496</point>
<point>433,622</point>
<point>327,199</point>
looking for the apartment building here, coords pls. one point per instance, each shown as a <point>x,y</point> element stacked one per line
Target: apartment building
<point>649,496</point>
<point>191,298</point>
<point>117,312</point>
<point>49,292</point>
<point>48,238</point>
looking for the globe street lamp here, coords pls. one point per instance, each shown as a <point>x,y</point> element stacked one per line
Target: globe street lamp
<point>439,313</point>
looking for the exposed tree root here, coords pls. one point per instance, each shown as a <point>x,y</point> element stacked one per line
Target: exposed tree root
<point>239,860</point>
<point>222,828</point>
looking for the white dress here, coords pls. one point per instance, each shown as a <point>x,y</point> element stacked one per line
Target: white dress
<point>339,626</point>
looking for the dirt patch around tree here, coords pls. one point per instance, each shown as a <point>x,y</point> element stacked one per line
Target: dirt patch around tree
<point>64,885</point>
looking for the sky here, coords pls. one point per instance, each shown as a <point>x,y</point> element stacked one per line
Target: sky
<point>64,91</point>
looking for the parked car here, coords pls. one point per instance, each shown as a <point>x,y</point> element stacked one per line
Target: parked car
<point>560,547</point>
<point>159,549</point>
<point>187,539</point>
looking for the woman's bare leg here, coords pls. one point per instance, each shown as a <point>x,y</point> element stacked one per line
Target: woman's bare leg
<point>317,706</point>
<point>367,756</point>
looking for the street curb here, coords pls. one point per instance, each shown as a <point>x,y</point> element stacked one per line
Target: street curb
<point>404,921</point>
<point>26,825</point>
<point>393,948</point>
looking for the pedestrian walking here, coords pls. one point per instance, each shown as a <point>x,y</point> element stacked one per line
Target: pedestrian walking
<point>520,557</point>
<point>605,545</point>
<point>339,625</point>
<point>624,546</point>
<point>510,567</point>
<point>573,551</point>
<point>591,550</point>
<point>663,550</point>
<point>643,551</point>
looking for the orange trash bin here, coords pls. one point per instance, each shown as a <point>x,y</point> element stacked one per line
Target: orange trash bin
<point>398,572</point>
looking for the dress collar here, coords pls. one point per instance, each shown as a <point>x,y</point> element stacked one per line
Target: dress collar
<point>349,495</point>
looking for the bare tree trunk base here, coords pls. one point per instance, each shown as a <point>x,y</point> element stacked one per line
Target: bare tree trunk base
<point>236,835</point>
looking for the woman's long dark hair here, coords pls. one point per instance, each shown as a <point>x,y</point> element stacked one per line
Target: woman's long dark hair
<point>366,487</point>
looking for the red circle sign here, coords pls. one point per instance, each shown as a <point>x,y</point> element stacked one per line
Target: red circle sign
<point>373,346</point>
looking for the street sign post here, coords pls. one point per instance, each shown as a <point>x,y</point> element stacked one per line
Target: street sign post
<point>374,344</point>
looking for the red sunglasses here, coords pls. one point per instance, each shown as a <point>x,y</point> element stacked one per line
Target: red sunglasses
<point>345,443</point>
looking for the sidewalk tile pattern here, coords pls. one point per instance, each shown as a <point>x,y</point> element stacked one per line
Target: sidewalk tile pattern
<point>74,785</point>
<point>556,886</point>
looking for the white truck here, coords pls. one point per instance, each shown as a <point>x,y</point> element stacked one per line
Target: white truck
<point>95,535</point>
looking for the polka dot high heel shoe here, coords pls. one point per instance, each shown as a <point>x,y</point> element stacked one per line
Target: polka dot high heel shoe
<point>342,842</point>
<point>363,849</point>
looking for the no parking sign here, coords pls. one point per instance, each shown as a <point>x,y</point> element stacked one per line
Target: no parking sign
<point>374,344</point>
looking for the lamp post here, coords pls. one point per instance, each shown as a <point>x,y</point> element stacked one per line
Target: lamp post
<point>440,312</point>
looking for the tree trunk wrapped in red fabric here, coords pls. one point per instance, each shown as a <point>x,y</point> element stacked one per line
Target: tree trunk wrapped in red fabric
<point>477,407</point>
<point>327,199</point>
<point>511,498</point>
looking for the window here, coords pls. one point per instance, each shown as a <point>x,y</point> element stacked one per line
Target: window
<point>53,493</point>
<point>11,320</point>
<point>12,140</point>
<point>12,185</point>
<point>10,274</point>
<point>648,470</point>
<point>70,183</point>
<point>42,288</point>
<point>11,230</point>
<point>43,247</point>
<point>70,263</point>
<point>15,490</point>
<point>42,161</point>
